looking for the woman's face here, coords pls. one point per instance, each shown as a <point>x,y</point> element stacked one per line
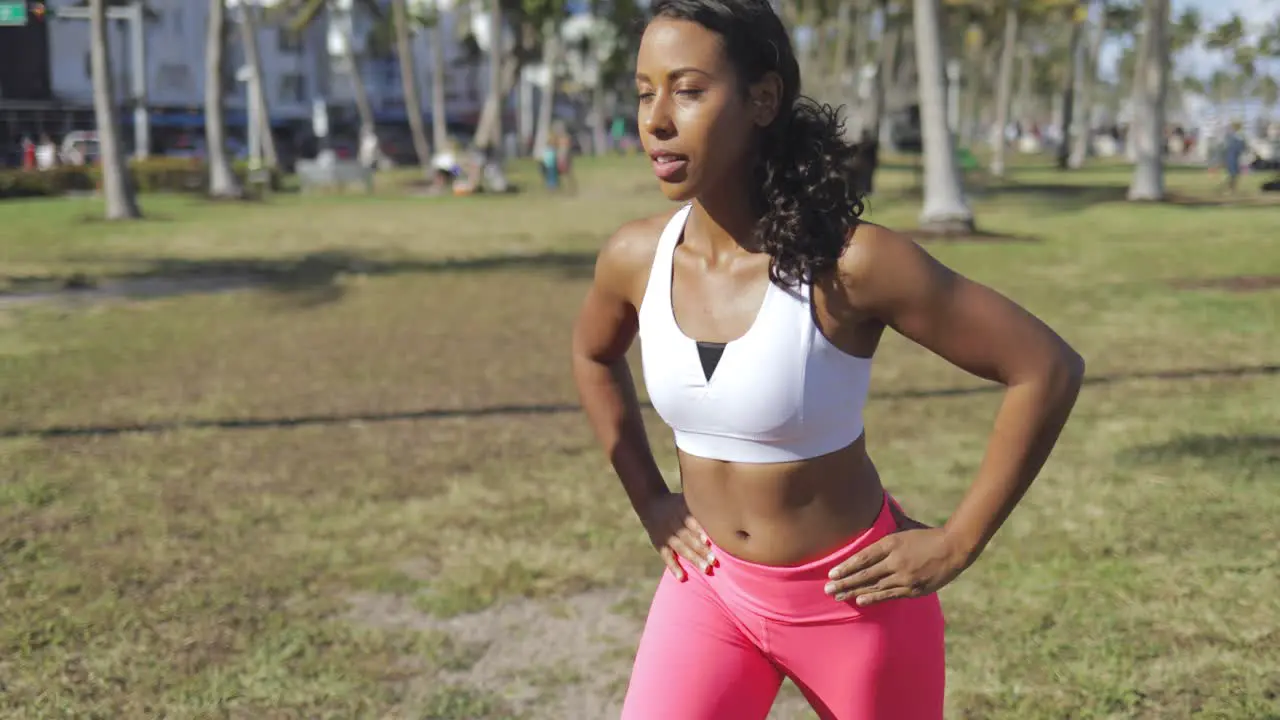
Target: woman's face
<point>696,125</point>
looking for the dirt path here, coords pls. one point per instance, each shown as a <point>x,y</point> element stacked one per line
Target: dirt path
<point>565,659</point>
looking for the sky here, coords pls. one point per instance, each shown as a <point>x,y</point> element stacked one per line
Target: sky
<point>1198,61</point>
<point>1256,14</point>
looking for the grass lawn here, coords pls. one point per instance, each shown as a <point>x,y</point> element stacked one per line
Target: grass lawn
<point>364,489</point>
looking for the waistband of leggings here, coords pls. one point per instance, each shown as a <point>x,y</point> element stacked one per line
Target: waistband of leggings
<point>794,593</point>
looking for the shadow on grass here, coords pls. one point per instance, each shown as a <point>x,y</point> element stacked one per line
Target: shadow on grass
<point>1230,283</point>
<point>1235,449</point>
<point>97,218</point>
<point>311,279</point>
<point>58,431</point>
<point>1073,197</point>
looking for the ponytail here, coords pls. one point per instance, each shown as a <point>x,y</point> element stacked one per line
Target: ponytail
<point>808,197</point>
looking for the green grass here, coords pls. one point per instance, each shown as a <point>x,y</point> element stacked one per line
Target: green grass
<point>365,490</point>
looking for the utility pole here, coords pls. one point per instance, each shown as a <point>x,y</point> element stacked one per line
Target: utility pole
<point>133,15</point>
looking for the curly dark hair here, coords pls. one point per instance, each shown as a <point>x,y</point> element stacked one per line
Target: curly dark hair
<point>808,194</point>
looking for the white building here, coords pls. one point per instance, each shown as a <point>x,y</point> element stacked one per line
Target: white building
<point>295,65</point>
<point>298,68</point>
<point>466,69</point>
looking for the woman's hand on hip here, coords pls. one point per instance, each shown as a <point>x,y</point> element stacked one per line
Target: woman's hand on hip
<point>675,534</point>
<point>915,560</point>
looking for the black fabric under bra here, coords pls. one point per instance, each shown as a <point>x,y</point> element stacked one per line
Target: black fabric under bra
<point>709,353</point>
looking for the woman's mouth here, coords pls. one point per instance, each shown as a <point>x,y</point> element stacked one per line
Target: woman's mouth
<point>668,165</point>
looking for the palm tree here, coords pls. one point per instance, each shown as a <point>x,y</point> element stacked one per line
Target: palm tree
<point>893,28</point>
<point>1004,86</point>
<point>1083,138</point>
<point>122,204</point>
<point>551,63</point>
<point>494,101</point>
<point>409,81</point>
<point>945,209</point>
<point>439,107</point>
<point>1076,15</point>
<point>257,86</point>
<point>222,182</point>
<point>503,70</point>
<point>302,13</point>
<point>843,49</point>
<point>1150,91</point>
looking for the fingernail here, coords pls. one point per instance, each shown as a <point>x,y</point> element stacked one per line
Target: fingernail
<point>832,574</point>
<point>706,539</point>
<point>842,597</point>
<point>830,588</point>
<point>864,600</point>
<point>711,558</point>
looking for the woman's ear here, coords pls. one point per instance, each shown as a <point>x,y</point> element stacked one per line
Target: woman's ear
<point>765,97</point>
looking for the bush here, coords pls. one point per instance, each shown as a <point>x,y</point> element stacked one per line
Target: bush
<point>152,175</point>
<point>59,181</point>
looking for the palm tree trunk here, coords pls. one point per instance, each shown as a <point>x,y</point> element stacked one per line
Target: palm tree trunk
<point>1148,131</point>
<point>490,113</point>
<point>945,209</point>
<point>890,44</point>
<point>257,84</point>
<point>368,126</point>
<point>1136,100</point>
<point>439,107</point>
<point>496,55</point>
<point>599,131</point>
<point>550,58</point>
<point>117,189</point>
<point>1004,89</point>
<point>980,73</point>
<point>860,54</point>
<point>1069,91</point>
<point>845,46</point>
<point>1022,101</point>
<point>409,83</point>
<point>1084,138</point>
<point>222,182</point>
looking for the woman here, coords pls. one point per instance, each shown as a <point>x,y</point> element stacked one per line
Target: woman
<point>760,304</point>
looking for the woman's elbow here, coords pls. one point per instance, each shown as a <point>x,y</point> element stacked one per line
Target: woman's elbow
<point>1067,373</point>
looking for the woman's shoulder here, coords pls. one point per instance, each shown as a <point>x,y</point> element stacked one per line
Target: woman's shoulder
<point>870,246</point>
<point>879,261</point>
<point>632,247</point>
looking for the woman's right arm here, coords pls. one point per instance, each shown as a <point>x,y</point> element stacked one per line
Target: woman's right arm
<point>606,326</point>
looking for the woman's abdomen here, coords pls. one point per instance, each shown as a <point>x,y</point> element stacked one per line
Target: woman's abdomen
<point>784,513</point>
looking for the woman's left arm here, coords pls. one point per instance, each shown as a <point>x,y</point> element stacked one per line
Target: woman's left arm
<point>888,276</point>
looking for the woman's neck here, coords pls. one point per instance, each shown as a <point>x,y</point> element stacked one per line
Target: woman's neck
<point>722,229</point>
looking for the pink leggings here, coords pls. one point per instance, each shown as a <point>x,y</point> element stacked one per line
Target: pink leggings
<point>716,647</point>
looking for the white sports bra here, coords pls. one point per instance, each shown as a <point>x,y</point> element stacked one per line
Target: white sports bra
<point>779,393</point>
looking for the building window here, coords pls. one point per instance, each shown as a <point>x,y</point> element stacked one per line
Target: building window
<point>173,77</point>
<point>293,88</point>
<point>288,41</point>
<point>88,64</point>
